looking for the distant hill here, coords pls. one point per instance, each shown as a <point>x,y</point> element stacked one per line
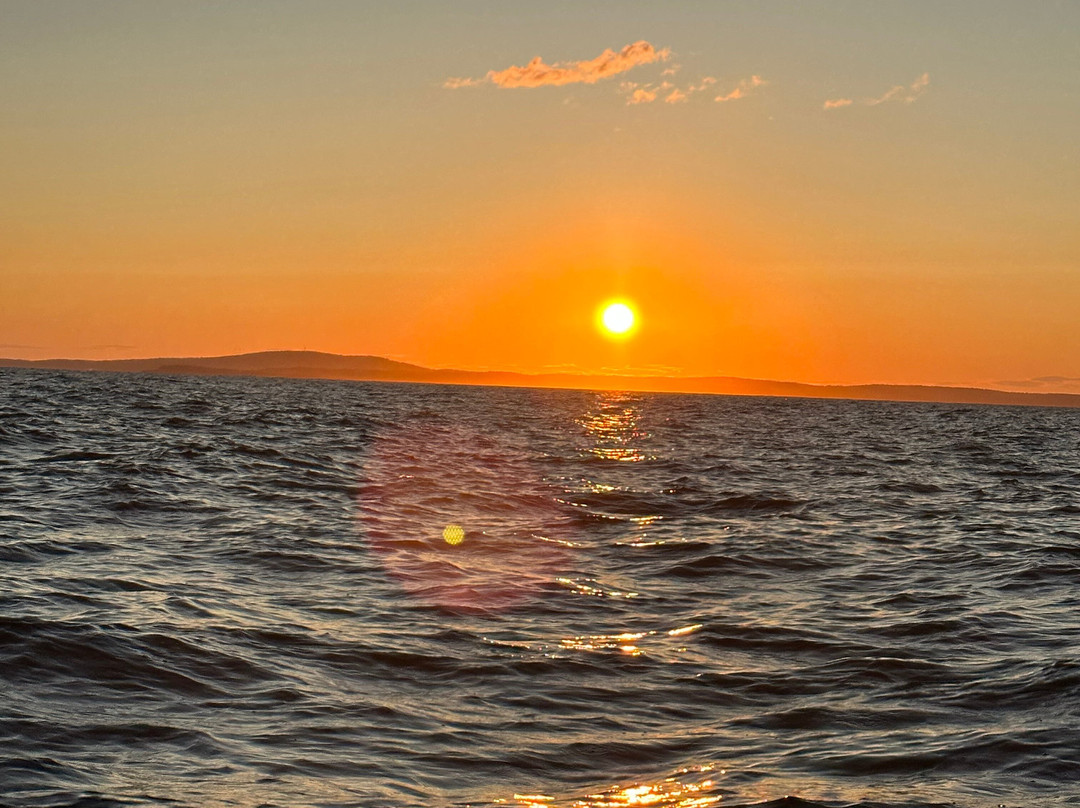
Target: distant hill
<point>316,365</point>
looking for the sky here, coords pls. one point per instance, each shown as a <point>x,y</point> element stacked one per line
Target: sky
<point>828,192</point>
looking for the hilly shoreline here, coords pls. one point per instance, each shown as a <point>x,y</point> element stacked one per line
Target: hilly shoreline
<point>317,365</point>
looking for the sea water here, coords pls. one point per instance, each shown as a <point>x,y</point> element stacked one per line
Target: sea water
<point>264,592</point>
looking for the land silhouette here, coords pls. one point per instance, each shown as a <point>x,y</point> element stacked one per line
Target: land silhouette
<point>317,365</point>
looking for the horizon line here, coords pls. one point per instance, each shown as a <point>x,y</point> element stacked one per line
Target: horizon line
<point>366,367</point>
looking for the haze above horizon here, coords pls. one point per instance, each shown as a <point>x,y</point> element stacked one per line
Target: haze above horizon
<point>837,194</point>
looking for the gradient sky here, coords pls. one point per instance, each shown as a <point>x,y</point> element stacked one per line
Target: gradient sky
<point>190,178</point>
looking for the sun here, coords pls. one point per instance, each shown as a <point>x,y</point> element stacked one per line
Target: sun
<point>617,319</point>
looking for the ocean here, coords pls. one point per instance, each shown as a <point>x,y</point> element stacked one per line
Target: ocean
<point>220,591</point>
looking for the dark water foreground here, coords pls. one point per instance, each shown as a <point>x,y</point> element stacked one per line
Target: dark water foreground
<point>252,592</point>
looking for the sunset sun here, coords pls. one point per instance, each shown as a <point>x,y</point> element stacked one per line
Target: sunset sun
<point>617,319</point>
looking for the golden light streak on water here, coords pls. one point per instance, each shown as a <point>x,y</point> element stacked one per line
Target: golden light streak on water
<point>595,591</point>
<point>606,642</point>
<point>533,799</point>
<point>622,455</point>
<point>612,426</point>
<point>678,632</point>
<point>679,791</point>
<point>669,793</point>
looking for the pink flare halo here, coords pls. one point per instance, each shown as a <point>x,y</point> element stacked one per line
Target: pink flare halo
<point>458,519</point>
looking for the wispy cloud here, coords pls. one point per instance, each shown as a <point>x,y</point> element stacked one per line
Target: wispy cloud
<point>637,93</point>
<point>1042,381</point>
<point>904,93</point>
<point>1056,379</point>
<point>456,84</point>
<point>642,96</point>
<point>1044,384</point>
<point>744,87</point>
<point>538,73</point>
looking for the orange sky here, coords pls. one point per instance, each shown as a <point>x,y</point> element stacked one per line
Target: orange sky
<point>844,194</point>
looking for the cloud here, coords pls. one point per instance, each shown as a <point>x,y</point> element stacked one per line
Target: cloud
<point>1045,384</point>
<point>641,96</point>
<point>538,73</point>
<point>902,93</point>
<point>638,93</point>
<point>455,84</point>
<point>741,90</point>
<point>905,94</point>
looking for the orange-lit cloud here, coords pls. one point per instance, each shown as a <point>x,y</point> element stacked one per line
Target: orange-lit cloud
<point>650,91</point>
<point>538,73</point>
<point>744,87</point>
<point>905,94</point>
<point>641,96</point>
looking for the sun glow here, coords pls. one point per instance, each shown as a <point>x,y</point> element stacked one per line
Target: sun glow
<point>617,319</point>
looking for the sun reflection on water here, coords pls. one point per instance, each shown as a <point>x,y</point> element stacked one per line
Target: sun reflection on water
<point>663,645</point>
<point>685,789</point>
<point>606,642</point>
<point>626,643</point>
<point>613,426</point>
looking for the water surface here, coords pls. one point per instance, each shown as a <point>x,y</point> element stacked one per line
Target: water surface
<point>224,591</point>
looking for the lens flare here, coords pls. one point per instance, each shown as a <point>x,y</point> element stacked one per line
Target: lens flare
<point>432,504</point>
